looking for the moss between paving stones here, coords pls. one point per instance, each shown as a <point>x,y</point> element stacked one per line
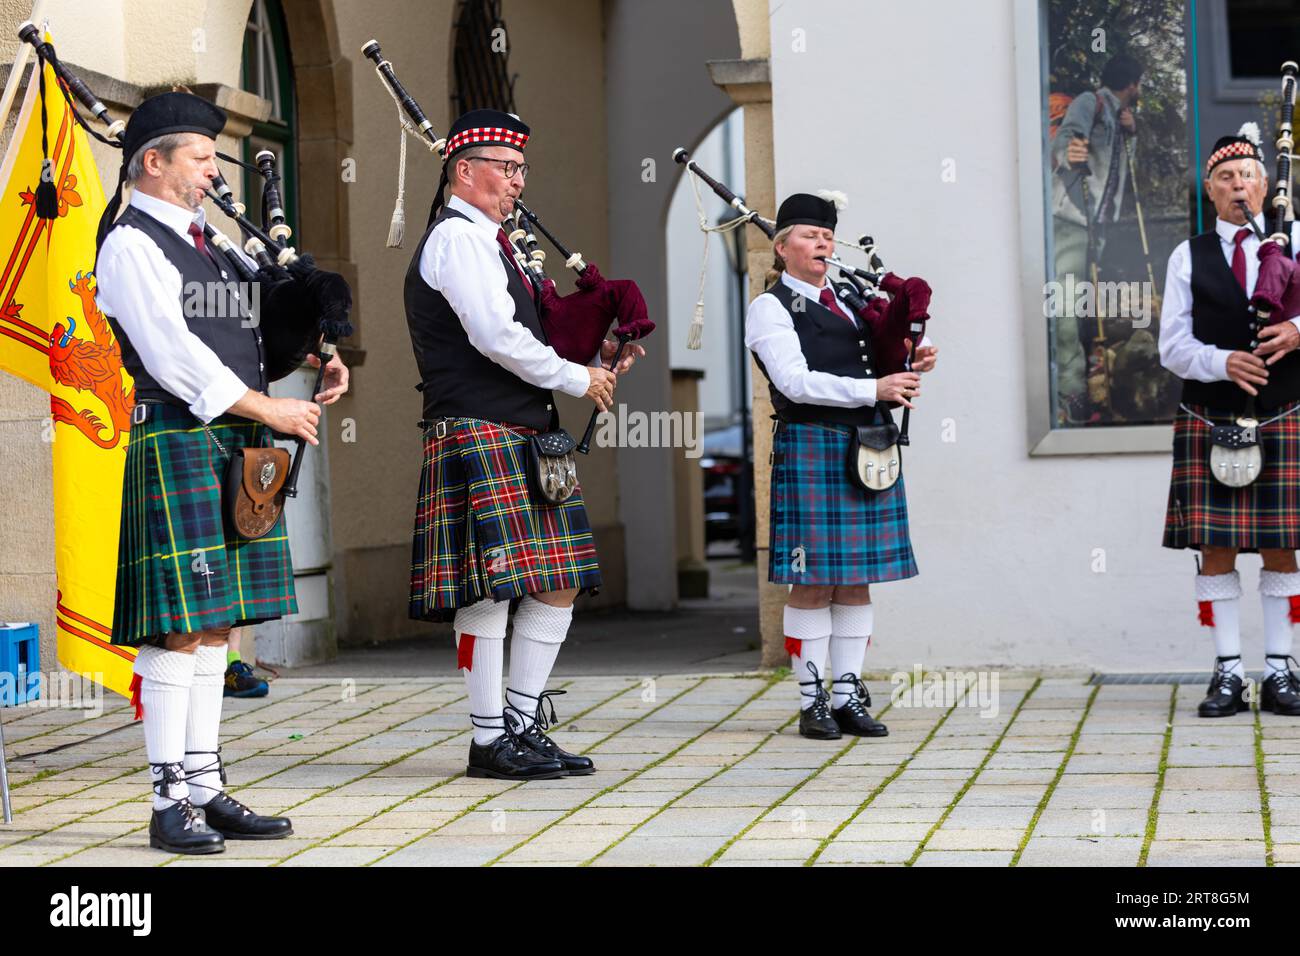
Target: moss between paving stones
<point>1060,772</point>
<point>768,684</point>
<point>881,786</point>
<point>474,806</point>
<point>126,773</point>
<point>1153,813</point>
<point>988,755</point>
<point>172,859</point>
<point>1263,789</point>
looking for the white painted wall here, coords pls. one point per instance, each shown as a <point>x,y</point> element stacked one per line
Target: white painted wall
<point>1005,542</point>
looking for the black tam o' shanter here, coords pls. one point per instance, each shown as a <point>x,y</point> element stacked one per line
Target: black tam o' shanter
<point>158,116</point>
<point>805,209</point>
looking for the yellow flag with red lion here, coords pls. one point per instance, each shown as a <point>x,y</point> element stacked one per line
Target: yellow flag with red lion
<point>53,335</point>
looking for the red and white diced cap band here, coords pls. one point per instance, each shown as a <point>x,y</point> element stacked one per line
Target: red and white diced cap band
<point>1239,150</point>
<point>486,135</point>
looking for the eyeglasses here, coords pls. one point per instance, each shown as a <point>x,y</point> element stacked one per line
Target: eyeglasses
<point>509,166</point>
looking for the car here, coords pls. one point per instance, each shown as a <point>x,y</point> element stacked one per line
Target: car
<point>723,465</point>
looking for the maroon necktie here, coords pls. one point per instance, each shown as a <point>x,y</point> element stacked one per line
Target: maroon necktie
<point>1239,258</point>
<point>504,243</point>
<point>827,298</point>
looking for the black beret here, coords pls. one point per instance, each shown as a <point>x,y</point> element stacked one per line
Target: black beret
<point>171,113</point>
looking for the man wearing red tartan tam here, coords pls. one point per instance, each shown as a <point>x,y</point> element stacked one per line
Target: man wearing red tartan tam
<point>478,128</point>
<point>486,534</point>
<point>1241,384</point>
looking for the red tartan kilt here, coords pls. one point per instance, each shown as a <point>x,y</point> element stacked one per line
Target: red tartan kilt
<point>1264,514</point>
<point>479,533</point>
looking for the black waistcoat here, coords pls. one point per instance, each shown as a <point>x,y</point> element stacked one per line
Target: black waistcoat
<point>830,343</point>
<point>1221,317</point>
<point>210,305</point>
<point>457,379</point>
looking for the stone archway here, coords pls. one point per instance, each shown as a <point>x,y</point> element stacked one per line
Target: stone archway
<point>323,82</point>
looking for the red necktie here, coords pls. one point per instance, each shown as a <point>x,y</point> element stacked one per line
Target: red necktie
<point>200,243</point>
<point>827,298</point>
<point>1239,258</point>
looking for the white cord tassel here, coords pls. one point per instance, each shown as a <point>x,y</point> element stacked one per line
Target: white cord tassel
<point>695,334</point>
<point>397,227</point>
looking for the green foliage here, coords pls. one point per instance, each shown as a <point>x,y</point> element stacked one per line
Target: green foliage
<point>1153,33</point>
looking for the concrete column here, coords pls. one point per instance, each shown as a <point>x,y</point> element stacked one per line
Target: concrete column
<point>688,488</point>
<point>748,83</point>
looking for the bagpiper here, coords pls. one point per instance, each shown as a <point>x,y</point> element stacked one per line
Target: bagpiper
<point>1235,484</point>
<point>185,578</point>
<point>487,531</point>
<point>830,537</point>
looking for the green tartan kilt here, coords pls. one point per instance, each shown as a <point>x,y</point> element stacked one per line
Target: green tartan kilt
<point>179,569</point>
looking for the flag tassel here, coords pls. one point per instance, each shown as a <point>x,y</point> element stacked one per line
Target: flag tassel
<point>47,197</point>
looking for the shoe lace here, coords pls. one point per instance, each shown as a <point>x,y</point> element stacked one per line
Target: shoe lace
<point>821,708</point>
<point>860,698</point>
<point>506,726</point>
<point>216,764</point>
<point>1285,679</point>
<point>172,774</point>
<point>1221,678</point>
<point>544,701</point>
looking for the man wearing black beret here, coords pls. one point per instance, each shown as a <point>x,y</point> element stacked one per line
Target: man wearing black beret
<point>184,579</point>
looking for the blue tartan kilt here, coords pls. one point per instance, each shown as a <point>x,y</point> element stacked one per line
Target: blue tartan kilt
<point>825,530</point>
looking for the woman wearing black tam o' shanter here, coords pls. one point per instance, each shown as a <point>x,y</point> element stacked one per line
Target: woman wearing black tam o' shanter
<point>830,536</point>
<point>184,577</point>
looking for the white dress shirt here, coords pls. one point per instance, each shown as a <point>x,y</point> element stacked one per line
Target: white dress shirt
<point>1180,351</point>
<point>770,334</point>
<point>141,290</point>
<point>462,260</point>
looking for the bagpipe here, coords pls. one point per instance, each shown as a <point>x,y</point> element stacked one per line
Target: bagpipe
<point>1277,290</point>
<point>310,306</point>
<point>893,308</point>
<point>575,324</point>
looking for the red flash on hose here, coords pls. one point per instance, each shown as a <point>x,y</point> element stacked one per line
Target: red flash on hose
<point>1206,609</point>
<point>136,703</point>
<point>465,652</point>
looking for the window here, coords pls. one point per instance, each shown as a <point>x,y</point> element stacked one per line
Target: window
<point>1262,34</point>
<point>267,72</point>
<point>482,75</point>
<point>1115,85</point>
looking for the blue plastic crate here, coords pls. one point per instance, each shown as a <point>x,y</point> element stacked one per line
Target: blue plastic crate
<point>20,663</point>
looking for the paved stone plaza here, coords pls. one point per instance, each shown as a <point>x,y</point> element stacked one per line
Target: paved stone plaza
<point>692,770</point>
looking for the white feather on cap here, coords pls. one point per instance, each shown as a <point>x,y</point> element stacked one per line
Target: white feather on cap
<point>835,197</point>
<point>1251,132</point>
